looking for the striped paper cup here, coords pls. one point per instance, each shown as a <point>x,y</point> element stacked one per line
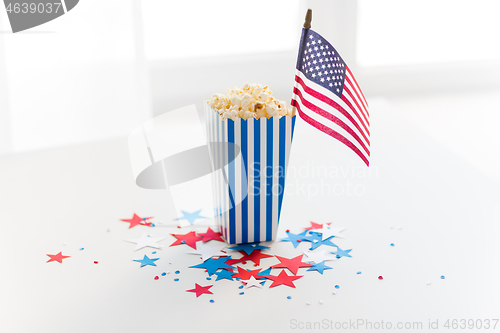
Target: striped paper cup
<point>249,159</point>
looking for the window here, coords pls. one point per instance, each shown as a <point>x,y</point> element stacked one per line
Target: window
<point>197,29</point>
<point>74,79</point>
<point>395,32</point>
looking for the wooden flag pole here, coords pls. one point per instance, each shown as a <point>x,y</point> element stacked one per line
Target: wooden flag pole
<point>307,25</point>
<point>309,15</point>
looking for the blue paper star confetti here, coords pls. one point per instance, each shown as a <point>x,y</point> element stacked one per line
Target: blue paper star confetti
<point>147,261</point>
<point>224,274</point>
<point>319,267</point>
<point>342,253</point>
<point>212,265</point>
<point>190,217</point>
<point>249,247</point>
<point>265,273</point>
<point>316,240</point>
<point>294,238</point>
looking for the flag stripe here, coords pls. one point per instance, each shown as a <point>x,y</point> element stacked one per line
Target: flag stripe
<point>321,97</point>
<point>357,85</point>
<point>346,88</point>
<point>352,107</point>
<point>326,111</point>
<point>330,117</point>
<point>324,98</point>
<point>353,88</point>
<point>311,114</point>
<point>330,132</point>
<point>346,101</point>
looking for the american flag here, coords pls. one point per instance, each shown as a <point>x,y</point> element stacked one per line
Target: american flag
<point>327,96</point>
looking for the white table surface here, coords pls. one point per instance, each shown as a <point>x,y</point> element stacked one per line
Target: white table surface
<point>64,199</point>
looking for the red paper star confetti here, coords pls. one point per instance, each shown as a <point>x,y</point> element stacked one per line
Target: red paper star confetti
<point>316,226</point>
<point>199,290</point>
<point>210,234</point>
<point>136,220</point>
<point>292,264</point>
<point>255,256</point>
<point>245,275</point>
<point>57,257</point>
<point>283,278</point>
<point>189,239</point>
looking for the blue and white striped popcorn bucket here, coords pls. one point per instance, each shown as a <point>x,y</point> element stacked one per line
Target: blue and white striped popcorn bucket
<point>249,161</point>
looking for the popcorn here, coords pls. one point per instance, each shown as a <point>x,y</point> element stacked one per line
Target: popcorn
<point>251,101</point>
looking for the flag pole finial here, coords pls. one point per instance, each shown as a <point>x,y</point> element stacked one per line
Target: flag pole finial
<point>307,23</point>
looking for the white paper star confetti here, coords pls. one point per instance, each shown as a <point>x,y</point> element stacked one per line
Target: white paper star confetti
<point>328,231</point>
<point>209,249</point>
<point>317,257</point>
<point>146,240</point>
<point>252,282</point>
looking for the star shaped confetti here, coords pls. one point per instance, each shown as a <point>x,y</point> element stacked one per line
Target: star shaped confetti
<point>245,274</point>
<point>190,217</point>
<point>189,239</point>
<point>283,278</point>
<point>136,220</point>
<point>146,240</point>
<point>296,239</point>
<point>329,231</point>
<point>210,234</point>
<point>224,274</point>
<point>255,256</point>
<point>199,290</point>
<point>317,257</point>
<point>249,247</point>
<point>209,250</point>
<point>292,264</point>
<point>57,257</point>
<point>252,282</point>
<point>212,265</point>
<point>317,240</point>
<point>342,253</point>
<point>265,273</point>
<point>316,226</point>
<point>147,261</point>
<point>320,267</point>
